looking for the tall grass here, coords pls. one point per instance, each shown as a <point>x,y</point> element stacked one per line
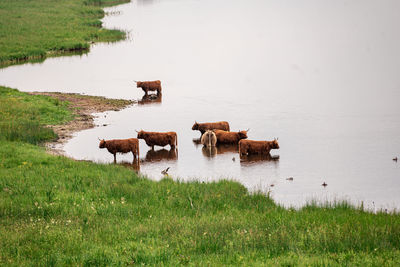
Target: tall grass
<point>36,29</point>
<point>55,211</point>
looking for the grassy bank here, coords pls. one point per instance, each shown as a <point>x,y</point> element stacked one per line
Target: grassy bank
<point>56,211</point>
<point>36,29</point>
<point>22,116</point>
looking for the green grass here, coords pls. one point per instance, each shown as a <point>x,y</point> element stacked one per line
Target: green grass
<point>35,29</point>
<point>22,116</point>
<point>55,211</point>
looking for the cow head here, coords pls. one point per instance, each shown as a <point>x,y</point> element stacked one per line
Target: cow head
<point>242,134</point>
<point>275,144</point>
<point>138,84</point>
<point>141,134</point>
<point>195,126</point>
<point>102,143</point>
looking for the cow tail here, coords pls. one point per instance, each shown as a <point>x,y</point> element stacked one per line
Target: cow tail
<point>176,139</point>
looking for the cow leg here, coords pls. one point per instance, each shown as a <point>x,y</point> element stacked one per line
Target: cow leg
<point>115,157</point>
<point>152,147</point>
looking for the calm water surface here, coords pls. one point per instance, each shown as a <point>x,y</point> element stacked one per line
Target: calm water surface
<point>323,76</point>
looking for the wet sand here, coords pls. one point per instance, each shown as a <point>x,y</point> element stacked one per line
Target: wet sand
<point>84,108</point>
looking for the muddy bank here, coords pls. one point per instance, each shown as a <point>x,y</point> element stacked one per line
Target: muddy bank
<point>83,107</point>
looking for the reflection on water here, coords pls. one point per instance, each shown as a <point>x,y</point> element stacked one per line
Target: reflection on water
<point>151,99</point>
<point>210,151</point>
<point>197,142</point>
<point>135,165</point>
<point>219,149</point>
<point>162,154</point>
<point>327,85</point>
<point>145,2</point>
<point>78,52</point>
<point>225,148</point>
<point>246,159</point>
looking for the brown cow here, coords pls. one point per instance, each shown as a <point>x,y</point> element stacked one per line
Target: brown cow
<point>247,147</point>
<point>202,127</point>
<point>121,146</point>
<point>208,139</point>
<point>158,139</point>
<point>149,86</point>
<point>224,137</point>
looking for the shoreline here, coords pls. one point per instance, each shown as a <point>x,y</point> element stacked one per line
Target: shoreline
<point>87,31</point>
<point>83,107</point>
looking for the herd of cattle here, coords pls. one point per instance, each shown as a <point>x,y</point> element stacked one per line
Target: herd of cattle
<point>212,134</point>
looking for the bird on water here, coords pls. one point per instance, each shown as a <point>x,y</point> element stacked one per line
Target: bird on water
<point>165,172</point>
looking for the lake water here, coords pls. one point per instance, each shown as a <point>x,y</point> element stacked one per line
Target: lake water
<point>322,75</point>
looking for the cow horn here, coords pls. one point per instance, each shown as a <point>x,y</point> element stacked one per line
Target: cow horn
<point>99,139</point>
<point>248,130</point>
<point>136,131</point>
<point>135,81</point>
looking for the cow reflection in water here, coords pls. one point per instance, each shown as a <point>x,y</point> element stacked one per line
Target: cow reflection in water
<point>210,151</point>
<point>222,149</point>
<point>196,141</point>
<point>135,165</point>
<point>162,154</point>
<point>225,148</point>
<point>257,158</point>
<point>151,99</point>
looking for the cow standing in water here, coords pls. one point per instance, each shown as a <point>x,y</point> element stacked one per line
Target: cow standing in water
<point>249,147</point>
<point>121,146</point>
<point>233,138</point>
<point>149,86</point>
<point>203,127</point>
<point>208,139</point>
<point>159,139</point>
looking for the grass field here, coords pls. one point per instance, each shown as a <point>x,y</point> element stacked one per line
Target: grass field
<point>55,211</point>
<point>36,29</point>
